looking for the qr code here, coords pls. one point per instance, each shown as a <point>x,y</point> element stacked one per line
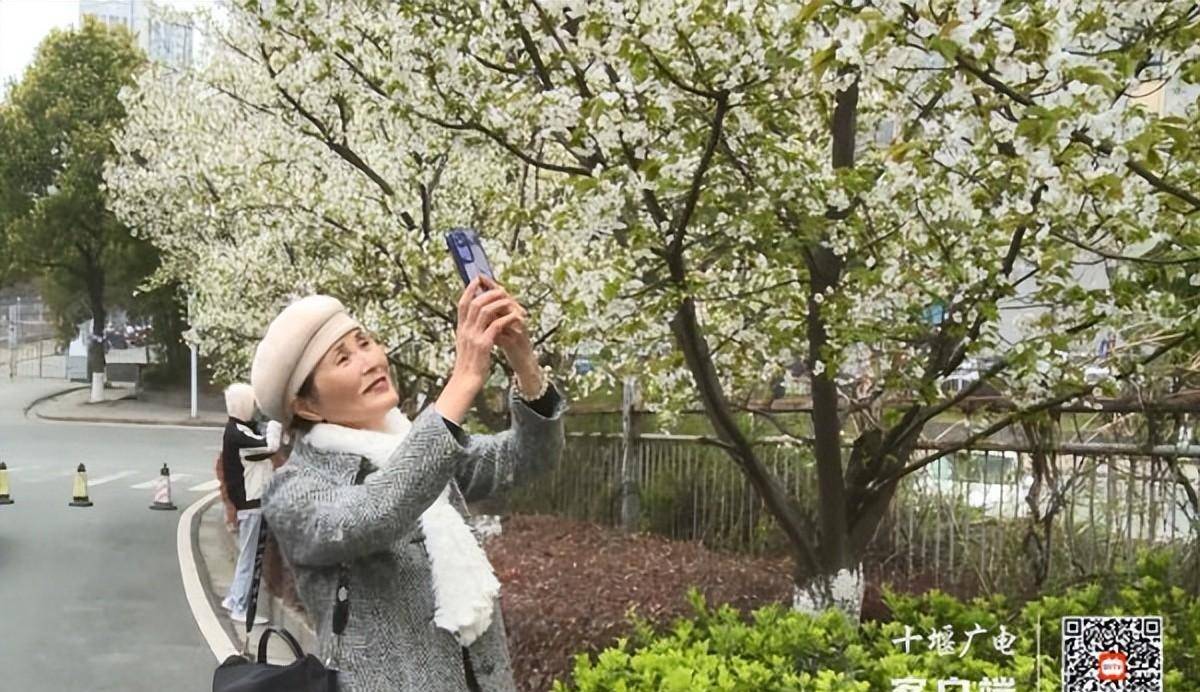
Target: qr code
<point>1112,654</point>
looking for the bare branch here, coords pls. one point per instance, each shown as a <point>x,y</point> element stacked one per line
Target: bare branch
<point>1048,404</point>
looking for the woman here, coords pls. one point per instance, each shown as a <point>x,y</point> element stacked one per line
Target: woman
<point>424,602</point>
<point>245,470</point>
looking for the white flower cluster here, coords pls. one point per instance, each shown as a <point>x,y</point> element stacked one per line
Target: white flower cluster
<point>621,157</point>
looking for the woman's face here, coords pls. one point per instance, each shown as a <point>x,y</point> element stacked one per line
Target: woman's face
<point>352,383</point>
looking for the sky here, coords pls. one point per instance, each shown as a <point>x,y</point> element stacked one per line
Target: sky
<point>24,23</point>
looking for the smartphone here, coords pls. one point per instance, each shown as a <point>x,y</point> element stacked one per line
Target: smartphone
<point>468,254</point>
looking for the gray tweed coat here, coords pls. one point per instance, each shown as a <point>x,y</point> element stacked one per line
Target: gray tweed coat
<point>321,519</point>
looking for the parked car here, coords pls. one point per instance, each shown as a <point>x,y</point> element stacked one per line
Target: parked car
<point>115,338</point>
<point>137,335</point>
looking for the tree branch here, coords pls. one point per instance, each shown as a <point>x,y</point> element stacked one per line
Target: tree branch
<point>693,196</point>
<point>1008,420</point>
<point>340,148</point>
<point>1138,168</point>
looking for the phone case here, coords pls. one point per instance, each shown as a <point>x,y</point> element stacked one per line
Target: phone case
<point>468,254</point>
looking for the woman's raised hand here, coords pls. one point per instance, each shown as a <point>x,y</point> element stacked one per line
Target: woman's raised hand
<point>480,319</point>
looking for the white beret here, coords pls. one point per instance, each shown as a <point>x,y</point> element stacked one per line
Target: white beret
<point>293,345</point>
<point>240,401</point>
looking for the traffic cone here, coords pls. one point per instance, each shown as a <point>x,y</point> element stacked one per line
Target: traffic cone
<point>79,498</point>
<point>162,490</point>
<point>4,498</point>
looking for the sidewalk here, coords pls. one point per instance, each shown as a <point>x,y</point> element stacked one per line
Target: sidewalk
<point>217,557</point>
<point>121,405</point>
<point>18,394</point>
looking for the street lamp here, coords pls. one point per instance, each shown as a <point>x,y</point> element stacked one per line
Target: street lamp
<point>190,338</point>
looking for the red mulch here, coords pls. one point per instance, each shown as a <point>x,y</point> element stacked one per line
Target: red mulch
<point>568,585</point>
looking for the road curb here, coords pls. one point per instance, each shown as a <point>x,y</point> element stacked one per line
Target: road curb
<point>273,607</point>
<point>191,567</point>
<point>47,397</point>
<point>97,420</point>
<point>91,420</point>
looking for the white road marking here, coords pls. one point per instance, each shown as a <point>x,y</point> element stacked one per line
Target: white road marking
<point>205,487</point>
<point>44,478</point>
<point>204,428</point>
<point>111,477</point>
<point>206,617</point>
<point>175,478</point>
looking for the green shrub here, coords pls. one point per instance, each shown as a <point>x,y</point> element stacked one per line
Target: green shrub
<point>779,649</point>
<point>1148,591</point>
<point>717,650</point>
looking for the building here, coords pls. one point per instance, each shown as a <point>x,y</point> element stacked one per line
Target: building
<point>163,41</point>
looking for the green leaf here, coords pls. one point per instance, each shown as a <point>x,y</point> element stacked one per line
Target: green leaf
<point>810,10</point>
<point>821,60</point>
<point>945,47</point>
<point>1090,74</point>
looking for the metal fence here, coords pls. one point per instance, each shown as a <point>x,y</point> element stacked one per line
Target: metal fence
<point>30,347</point>
<point>28,343</point>
<point>970,517</point>
<point>42,358</point>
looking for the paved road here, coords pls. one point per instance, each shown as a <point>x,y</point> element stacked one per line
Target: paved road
<point>91,598</point>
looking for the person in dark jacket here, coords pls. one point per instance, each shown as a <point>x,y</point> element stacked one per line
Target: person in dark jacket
<point>246,466</point>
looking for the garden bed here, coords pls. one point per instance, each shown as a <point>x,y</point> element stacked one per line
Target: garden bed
<point>568,587</point>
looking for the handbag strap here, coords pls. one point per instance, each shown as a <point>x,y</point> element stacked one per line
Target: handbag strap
<point>282,634</point>
<point>341,606</point>
<point>341,597</point>
<point>252,601</point>
<point>341,601</point>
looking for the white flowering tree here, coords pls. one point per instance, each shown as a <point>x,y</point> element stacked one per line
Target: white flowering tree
<point>269,174</point>
<point>711,190</point>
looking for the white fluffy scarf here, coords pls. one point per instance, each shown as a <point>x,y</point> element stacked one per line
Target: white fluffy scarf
<point>464,585</point>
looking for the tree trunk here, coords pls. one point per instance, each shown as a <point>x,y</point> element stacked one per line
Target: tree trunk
<point>838,581</point>
<point>96,359</point>
<point>629,491</point>
<point>95,288</point>
<point>698,357</point>
<point>842,590</point>
<point>1038,541</point>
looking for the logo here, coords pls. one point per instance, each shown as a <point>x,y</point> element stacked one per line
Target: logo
<point>1112,666</point>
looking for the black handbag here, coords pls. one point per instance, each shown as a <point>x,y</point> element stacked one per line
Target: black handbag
<point>240,673</point>
<point>305,674</point>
